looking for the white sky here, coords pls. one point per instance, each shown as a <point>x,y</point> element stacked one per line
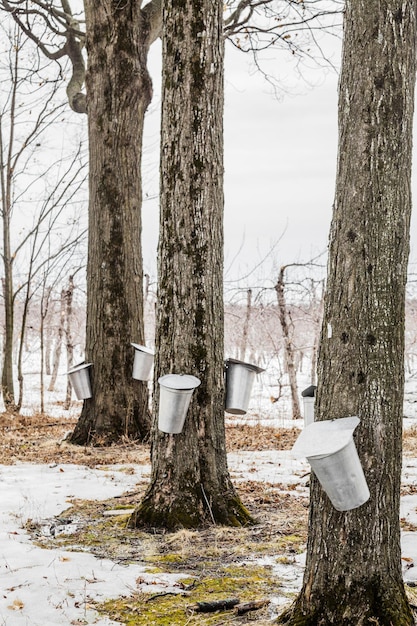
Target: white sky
<point>280,165</point>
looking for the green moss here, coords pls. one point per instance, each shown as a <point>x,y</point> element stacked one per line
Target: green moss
<point>147,516</point>
<point>191,514</point>
<point>211,556</point>
<point>165,558</point>
<point>243,582</point>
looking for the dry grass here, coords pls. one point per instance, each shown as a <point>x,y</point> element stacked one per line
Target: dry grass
<point>241,437</point>
<point>410,441</point>
<point>40,439</point>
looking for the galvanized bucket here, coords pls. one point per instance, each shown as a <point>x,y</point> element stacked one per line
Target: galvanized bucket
<point>308,412</point>
<point>79,376</point>
<point>308,396</point>
<point>143,362</point>
<point>332,454</point>
<point>175,392</point>
<point>239,381</point>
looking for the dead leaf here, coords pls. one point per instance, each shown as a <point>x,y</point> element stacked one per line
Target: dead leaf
<point>17,605</point>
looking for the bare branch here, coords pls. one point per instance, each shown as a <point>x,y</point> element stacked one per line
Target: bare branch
<point>152,14</point>
<point>58,34</point>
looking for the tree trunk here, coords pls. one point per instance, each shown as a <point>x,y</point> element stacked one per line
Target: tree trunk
<point>7,384</point>
<point>69,294</point>
<point>288,346</point>
<point>317,311</point>
<point>58,343</point>
<point>246,321</point>
<point>353,569</point>
<point>44,306</point>
<point>190,483</point>
<point>118,93</point>
<point>48,350</point>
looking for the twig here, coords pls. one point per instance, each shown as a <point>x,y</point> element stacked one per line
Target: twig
<point>215,605</point>
<point>241,609</point>
<point>161,595</point>
<point>208,504</point>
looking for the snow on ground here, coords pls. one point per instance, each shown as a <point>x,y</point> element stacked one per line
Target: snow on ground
<point>53,587</point>
<point>41,587</point>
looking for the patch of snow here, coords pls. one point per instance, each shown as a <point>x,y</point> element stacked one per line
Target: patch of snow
<point>55,587</point>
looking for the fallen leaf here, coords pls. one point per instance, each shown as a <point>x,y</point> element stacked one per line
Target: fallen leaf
<point>16,606</point>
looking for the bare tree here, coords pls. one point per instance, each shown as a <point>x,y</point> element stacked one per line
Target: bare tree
<point>58,342</point>
<point>119,91</point>
<point>353,568</point>
<point>245,331</point>
<point>285,322</point>
<point>28,113</point>
<point>190,483</point>
<point>68,298</point>
<point>117,40</point>
<point>44,306</point>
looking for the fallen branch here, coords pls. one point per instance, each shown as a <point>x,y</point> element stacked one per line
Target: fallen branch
<point>241,609</point>
<point>216,605</point>
<point>163,594</point>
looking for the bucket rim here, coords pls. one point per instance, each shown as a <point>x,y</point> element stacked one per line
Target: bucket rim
<point>140,348</point>
<point>249,366</point>
<point>181,382</point>
<point>326,437</point>
<point>78,368</point>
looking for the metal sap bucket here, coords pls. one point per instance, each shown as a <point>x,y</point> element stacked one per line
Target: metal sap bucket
<point>143,362</point>
<point>175,391</point>
<point>79,376</point>
<point>332,454</point>
<point>308,396</point>
<point>239,381</point>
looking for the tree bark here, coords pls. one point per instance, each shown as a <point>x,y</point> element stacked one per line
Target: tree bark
<point>119,91</point>
<point>288,345</point>
<point>69,294</point>
<point>353,569</point>
<point>190,484</point>
<point>7,383</point>
<point>58,342</point>
<point>44,306</point>
<point>245,332</point>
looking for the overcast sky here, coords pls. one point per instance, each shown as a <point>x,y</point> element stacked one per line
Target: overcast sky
<point>280,165</point>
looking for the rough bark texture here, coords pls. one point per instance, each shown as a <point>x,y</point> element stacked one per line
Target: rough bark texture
<point>190,483</point>
<point>353,570</point>
<point>118,93</point>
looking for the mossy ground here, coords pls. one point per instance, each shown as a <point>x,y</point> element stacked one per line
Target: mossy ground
<point>244,582</point>
<point>218,562</point>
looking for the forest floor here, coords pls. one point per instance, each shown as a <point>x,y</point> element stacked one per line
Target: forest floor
<point>261,563</point>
